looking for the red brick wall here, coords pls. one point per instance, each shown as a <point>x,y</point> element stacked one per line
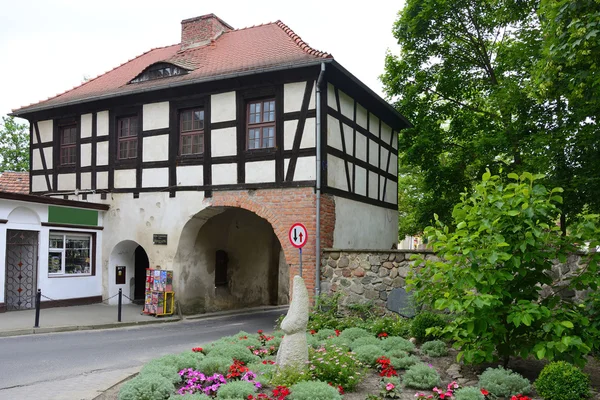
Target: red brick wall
<point>199,29</point>
<point>282,208</point>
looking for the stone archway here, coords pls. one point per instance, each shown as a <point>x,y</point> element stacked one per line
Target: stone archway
<point>228,258</point>
<point>124,254</point>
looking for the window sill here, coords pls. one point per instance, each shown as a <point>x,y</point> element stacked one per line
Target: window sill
<point>69,275</point>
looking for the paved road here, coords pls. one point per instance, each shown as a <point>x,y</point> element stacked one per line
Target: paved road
<point>80,365</point>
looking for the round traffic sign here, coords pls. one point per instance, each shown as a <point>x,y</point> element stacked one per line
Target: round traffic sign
<point>298,235</point>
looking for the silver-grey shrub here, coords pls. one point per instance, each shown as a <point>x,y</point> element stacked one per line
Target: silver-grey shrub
<point>503,382</point>
<point>421,376</point>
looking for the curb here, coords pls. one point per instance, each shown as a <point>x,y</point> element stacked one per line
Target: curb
<point>236,312</point>
<point>57,329</point>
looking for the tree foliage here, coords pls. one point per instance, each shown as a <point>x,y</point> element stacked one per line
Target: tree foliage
<point>495,268</point>
<point>14,145</point>
<point>469,77</point>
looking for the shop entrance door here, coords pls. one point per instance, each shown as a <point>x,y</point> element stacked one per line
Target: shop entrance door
<point>21,269</point>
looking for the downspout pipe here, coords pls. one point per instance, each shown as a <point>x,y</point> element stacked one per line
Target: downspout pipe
<point>318,184</point>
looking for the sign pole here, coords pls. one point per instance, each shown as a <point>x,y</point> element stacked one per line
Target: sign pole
<point>300,249</point>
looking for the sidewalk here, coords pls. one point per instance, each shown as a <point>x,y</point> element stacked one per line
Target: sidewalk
<point>97,316</point>
<point>63,319</point>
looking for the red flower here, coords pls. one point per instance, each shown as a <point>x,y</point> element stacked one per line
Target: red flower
<point>312,331</point>
<point>197,349</point>
<point>259,331</point>
<point>337,332</point>
<point>340,389</point>
<point>484,392</point>
<point>382,335</point>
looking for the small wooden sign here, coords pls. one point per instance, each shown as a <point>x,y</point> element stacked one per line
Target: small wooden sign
<point>159,238</point>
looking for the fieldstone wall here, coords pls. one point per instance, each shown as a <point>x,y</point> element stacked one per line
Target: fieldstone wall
<point>370,275</point>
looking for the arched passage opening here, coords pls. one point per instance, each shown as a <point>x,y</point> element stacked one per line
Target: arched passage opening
<point>127,271</point>
<point>229,258</point>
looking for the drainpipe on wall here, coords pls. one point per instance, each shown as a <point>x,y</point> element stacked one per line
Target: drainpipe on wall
<point>318,184</point>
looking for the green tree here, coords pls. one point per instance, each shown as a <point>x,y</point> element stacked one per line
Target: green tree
<point>495,268</point>
<point>464,78</point>
<point>14,145</point>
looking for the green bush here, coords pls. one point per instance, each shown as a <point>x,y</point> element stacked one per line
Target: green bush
<point>354,333</point>
<point>503,382</point>
<point>262,369</point>
<point>369,354</point>
<point>392,325</point>
<point>469,393</point>
<point>325,333</point>
<point>312,341</point>
<point>424,320</point>
<point>180,361</point>
<point>351,322</point>
<point>289,376</point>
<point>365,341</point>
<point>166,371</point>
<point>339,341</point>
<point>421,376</point>
<point>314,390</point>
<point>334,365</point>
<point>215,365</point>
<point>236,390</point>
<point>404,362</point>
<point>146,387</point>
<point>397,343</point>
<point>434,348</point>
<point>234,352</point>
<point>396,353</point>
<point>562,381</point>
<point>393,393</point>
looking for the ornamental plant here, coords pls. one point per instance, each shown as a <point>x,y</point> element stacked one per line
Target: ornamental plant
<point>385,367</point>
<point>469,393</point>
<point>334,365</point>
<point>503,382</point>
<point>146,386</point>
<point>421,376</point>
<point>434,348</point>
<point>390,388</point>
<point>493,263</point>
<point>236,390</point>
<point>314,390</point>
<point>369,354</point>
<point>562,381</point>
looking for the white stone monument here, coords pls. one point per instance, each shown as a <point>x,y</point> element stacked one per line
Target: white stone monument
<point>293,350</point>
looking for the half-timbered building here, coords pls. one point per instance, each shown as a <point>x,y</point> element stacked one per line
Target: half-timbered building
<point>207,151</point>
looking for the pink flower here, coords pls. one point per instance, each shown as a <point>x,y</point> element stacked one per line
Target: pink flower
<point>389,386</point>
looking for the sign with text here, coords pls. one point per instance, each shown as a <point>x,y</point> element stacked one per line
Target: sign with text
<point>159,238</point>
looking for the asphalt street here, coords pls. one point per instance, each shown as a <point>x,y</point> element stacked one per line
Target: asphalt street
<point>80,365</point>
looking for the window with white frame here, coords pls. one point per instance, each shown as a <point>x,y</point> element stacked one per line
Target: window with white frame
<point>69,254</point>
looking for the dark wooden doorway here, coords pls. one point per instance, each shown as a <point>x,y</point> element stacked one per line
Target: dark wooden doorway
<point>141,263</point>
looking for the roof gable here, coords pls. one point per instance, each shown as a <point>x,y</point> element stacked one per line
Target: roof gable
<point>14,182</point>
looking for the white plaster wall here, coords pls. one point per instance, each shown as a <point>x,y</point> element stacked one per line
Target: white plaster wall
<point>138,219</point>
<point>102,180</point>
<point>349,139</point>
<point>86,125</point>
<point>382,180</point>
<point>190,175</point>
<point>364,226</point>
<point>293,94</point>
<point>391,192</point>
<point>289,131</point>
<point>361,146</point>
<point>155,115</point>
<point>86,154</point>
<point>38,183</point>
<point>86,180</point>
<point>308,136</point>
<point>102,123</point>
<point>260,171</point>
<point>125,178</point>
<point>386,133</point>
<point>334,137</point>
<point>361,116</point>
<point>384,158</point>
<point>347,105</point>
<point>156,148</point>
<point>37,160</point>
<point>155,177</point>
<point>223,174</point>
<point>331,97</point>
<point>66,182</point>
<point>374,125</point>
<point>48,156</point>
<point>360,181</point>
<point>46,128</point>
<point>373,153</point>
<point>336,173</point>
<point>305,168</point>
<point>222,107</point>
<point>394,164</point>
<point>223,142</point>
<point>373,185</point>
<point>102,153</point>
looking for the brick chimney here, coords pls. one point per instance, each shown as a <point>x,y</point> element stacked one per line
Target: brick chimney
<point>201,30</point>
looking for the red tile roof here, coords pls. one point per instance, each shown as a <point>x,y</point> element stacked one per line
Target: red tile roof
<point>237,51</point>
<point>14,182</point>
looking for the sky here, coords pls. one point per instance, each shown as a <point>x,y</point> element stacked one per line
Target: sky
<point>49,46</point>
